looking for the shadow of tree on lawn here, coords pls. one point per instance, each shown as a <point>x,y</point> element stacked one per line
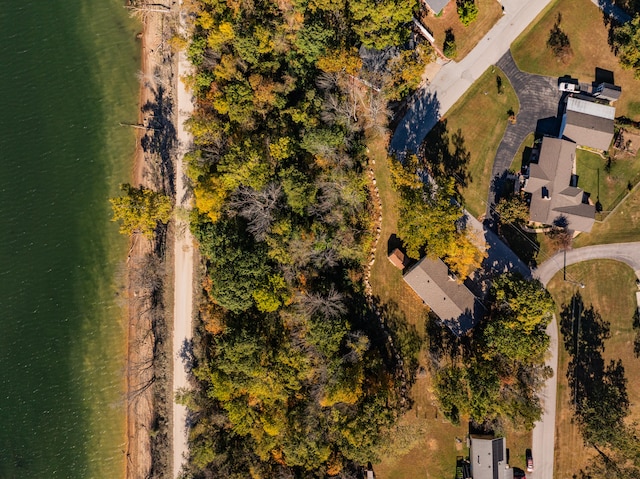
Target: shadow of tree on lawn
<point>598,388</point>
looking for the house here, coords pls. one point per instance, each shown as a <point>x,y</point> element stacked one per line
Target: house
<point>435,6</point>
<point>488,458</point>
<point>450,300</point>
<point>607,91</point>
<point>553,192</point>
<point>588,123</point>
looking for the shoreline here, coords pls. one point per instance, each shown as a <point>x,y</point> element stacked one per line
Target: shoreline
<point>139,410</point>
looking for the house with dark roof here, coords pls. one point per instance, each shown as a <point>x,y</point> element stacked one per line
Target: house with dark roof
<point>450,300</point>
<point>488,458</point>
<point>607,91</point>
<point>588,123</point>
<point>554,193</point>
<point>435,6</point>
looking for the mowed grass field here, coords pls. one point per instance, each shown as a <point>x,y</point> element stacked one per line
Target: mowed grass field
<point>610,288</point>
<point>583,23</point>
<point>481,115</point>
<point>489,12</point>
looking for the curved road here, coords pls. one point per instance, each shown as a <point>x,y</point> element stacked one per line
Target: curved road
<point>628,253</point>
<point>544,430</point>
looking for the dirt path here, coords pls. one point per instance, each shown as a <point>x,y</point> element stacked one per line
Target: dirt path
<point>183,268</point>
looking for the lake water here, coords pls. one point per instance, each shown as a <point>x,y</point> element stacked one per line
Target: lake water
<point>67,77</point>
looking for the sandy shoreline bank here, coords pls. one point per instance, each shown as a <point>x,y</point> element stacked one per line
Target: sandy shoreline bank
<point>140,377</point>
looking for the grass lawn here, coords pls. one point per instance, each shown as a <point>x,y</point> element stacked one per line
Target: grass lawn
<point>524,152</point>
<point>609,187</point>
<point>582,22</point>
<point>620,226</point>
<point>425,443</point>
<point>610,288</point>
<point>489,12</point>
<point>481,137</point>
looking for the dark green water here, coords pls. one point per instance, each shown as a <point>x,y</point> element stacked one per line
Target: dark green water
<point>67,77</point>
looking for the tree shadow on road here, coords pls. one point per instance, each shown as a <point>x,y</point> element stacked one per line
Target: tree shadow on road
<point>413,121</point>
<point>446,155</point>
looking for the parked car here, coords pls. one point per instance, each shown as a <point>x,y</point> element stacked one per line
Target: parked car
<point>570,87</point>
<point>529,460</point>
<point>518,473</point>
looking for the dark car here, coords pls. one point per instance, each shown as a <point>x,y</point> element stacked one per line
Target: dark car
<point>529,460</point>
<point>518,473</point>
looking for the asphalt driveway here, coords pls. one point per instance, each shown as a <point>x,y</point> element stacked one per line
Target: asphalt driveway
<point>539,99</point>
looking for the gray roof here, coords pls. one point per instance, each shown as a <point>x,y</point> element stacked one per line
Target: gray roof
<point>488,458</point>
<point>550,186</point>
<point>588,123</point>
<point>452,301</point>
<point>436,5</point>
<point>608,91</point>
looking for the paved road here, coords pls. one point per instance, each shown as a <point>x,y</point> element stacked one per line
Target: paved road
<point>628,253</point>
<point>183,270</point>
<point>500,259</point>
<point>539,99</point>
<point>455,78</point>
<point>544,430</point>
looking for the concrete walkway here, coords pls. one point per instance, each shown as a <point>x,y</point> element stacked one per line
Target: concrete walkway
<point>628,253</point>
<point>539,99</point>
<point>431,103</point>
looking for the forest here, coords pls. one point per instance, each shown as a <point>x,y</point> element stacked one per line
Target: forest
<point>295,375</point>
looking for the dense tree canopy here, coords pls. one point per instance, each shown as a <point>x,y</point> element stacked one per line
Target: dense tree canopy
<point>140,210</point>
<point>503,364</point>
<point>293,380</point>
<point>626,41</point>
<point>430,219</point>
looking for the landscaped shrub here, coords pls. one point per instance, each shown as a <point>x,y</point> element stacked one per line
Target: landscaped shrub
<point>467,11</point>
<point>449,48</point>
<point>559,42</point>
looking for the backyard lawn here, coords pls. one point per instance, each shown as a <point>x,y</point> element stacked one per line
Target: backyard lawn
<point>610,288</point>
<point>582,22</point>
<point>481,115</point>
<point>621,226</point>
<point>608,187</point>
<point>489,12</point>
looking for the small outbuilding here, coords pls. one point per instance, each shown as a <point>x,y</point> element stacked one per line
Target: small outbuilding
<point>398,259</point>
<point>607,91</point>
